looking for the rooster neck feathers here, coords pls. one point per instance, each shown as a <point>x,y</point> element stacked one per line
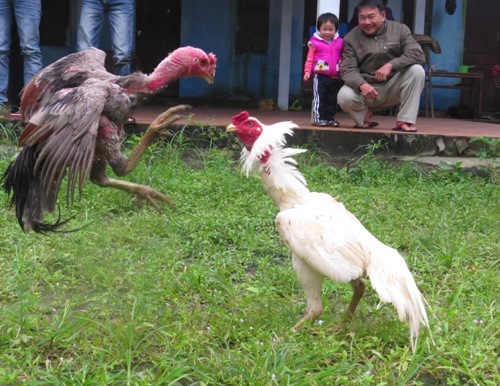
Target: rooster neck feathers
<point>265,153</point>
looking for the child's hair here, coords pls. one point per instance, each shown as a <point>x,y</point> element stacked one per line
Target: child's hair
<point>372,4</point>
<point>327,17</point>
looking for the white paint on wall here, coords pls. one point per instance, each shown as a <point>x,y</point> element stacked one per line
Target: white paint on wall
<point>332,6</point>
<point>419,16</point>
<point>285,49</point>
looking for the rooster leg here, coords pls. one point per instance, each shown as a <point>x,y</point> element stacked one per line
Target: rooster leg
<point>155,129</point>
<point>358,287</point>
<point>311,282</point>
<point>143,192</point>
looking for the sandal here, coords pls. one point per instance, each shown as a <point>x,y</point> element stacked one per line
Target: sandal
<point>405,127</point>
<point>367,125</point>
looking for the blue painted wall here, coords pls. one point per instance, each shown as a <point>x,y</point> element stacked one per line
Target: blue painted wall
<point>209,28</point>
<point>242,76</point>
<point>448,30</point>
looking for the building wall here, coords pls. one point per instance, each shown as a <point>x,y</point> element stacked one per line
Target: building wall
<point>243,76</point>
<point>449,31</point>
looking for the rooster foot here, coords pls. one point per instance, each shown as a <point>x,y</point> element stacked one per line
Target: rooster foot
<point>143,192</point>
<point>165,119</point>
<point>151,195</point>
<point>309,316</point>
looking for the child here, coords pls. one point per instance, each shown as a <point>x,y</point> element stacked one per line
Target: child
<point>325,52</point>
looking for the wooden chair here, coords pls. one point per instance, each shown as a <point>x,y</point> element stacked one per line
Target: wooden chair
<point>428,44</point>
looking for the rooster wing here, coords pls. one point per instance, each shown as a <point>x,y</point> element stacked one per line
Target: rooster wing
<point>65,138</point>
<point>67,72</point>
<point>324,235</point>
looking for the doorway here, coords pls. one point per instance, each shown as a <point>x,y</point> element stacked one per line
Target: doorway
<point>158,32</point>
<point>482,46</point>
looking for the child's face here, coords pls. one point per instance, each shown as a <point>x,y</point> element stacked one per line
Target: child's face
<point>327,30</point>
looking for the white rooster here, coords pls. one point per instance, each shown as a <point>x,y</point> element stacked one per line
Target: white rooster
<point>326,240</point>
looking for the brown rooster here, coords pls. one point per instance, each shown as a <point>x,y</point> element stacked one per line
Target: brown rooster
<point>74,112</point>
<point>326,240</point>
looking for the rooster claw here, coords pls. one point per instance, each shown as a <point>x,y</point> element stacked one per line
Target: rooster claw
<point>168,117</point>
<point>153,196</point>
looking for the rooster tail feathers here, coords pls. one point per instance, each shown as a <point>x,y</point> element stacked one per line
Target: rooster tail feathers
<point>28,196</point>
<point>394,283</point>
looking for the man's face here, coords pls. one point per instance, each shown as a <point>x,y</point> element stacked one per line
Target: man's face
<point>371,20</point>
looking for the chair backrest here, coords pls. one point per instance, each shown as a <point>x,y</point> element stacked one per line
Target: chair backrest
<point>343,29</point>
<point>428,44</point>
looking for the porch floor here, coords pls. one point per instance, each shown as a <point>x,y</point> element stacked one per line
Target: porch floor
<point>219,116</point>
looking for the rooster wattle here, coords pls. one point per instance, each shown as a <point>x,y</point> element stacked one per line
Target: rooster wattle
<point>74,112</point>
<point>326,240</point>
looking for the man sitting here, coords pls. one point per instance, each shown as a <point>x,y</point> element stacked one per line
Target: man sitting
<point>381,67</point>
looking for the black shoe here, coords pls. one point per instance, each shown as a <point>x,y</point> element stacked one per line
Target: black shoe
<point>334,123</point>
<point>14,112</point>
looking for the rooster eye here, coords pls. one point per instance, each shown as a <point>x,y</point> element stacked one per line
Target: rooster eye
<point>250,124</point>
<point>196,60</point>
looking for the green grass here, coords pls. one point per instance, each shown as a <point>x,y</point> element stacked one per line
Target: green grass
<point>206,294</point>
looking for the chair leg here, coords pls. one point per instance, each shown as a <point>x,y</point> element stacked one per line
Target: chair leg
<point>430,93</point>
<point>426,102</point>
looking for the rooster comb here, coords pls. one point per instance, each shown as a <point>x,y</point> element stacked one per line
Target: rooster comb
<point>240,118</point>
<point>212,58</point>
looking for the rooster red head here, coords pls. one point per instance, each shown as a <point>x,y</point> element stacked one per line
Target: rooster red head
<point>197,62</point>
<point>248,129</point>
<point>202,65</point>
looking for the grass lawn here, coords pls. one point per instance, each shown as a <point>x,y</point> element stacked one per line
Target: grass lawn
<point>206,294</point>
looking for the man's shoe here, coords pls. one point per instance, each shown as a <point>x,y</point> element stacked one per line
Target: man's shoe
<point>15,113</point>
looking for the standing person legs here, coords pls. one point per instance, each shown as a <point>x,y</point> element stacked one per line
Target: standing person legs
<point>91,20</point>
<point>121,18</point>
<point>5,26</point>
<point>28,14</point>
<point>319,107</point>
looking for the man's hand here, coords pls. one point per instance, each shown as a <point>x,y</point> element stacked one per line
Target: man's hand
<point>383,72</point>
<point>368,91</point>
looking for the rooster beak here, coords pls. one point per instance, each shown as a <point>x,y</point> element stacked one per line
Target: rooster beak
<point>231,128</point>
<point>209,78</point>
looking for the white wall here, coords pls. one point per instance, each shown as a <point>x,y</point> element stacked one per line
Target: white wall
<point>332,6</point>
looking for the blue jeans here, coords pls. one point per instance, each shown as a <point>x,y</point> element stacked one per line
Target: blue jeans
<point>27,14</point>
<point>121,20</point>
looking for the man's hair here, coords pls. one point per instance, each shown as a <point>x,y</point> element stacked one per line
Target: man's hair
<point>372,4</point>
<point>327,17</point>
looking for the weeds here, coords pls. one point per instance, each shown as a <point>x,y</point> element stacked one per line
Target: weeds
<point>206,295</point>
<point>9,132</point>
